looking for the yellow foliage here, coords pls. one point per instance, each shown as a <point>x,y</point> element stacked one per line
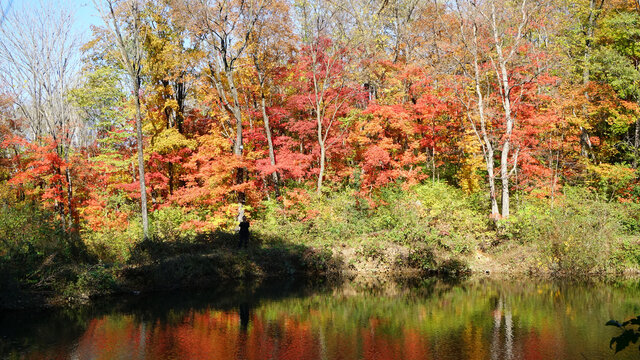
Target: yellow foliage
<point>467,175</point>
<point>170,140</point>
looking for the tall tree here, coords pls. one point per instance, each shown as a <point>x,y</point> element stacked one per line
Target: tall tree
<point>324,65</point>
<point>504,59</point>
<point>225,26</point>
<point>271,43</point>
<point>39,65</point>
<point>123,20</point>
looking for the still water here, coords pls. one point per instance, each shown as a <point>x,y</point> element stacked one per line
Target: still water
<point>430,319</point>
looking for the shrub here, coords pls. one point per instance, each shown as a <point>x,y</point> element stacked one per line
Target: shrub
<point>26,228</point>
<point>577,236</point>
<point>422,258</point>
<point>372,250</point>
<point>165,224</point>
<point>112,245</point>
<point>433,213</point>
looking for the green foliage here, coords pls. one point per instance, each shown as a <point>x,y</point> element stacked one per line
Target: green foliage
<point>422,258</point>
<point>166,224</point>
<point>373,251</point>
<point>581,234</point>
<point>456,220</point>
<point>94,280</point>
<point>433,213</point>
<point>27,228</point>
<point>613,68</point>
<point>621,31</point>
<point>114,245</point>
<point>100,97</point>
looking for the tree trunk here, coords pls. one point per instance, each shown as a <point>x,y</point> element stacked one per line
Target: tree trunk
<point>267,130</point>
<point>322,165</point>
<point>585,141</point>
<point>69,194</point>
<point>143,187</point>
<point>504,176</point>
<point>495,213</point>
<point>636,143</point>
<point>483,136</point>
<point>131,60</point>
<point>238,145</point>
<point>319,117</point>
<point>505,91</point>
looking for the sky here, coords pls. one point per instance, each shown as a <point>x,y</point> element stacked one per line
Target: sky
<point>85,13</point>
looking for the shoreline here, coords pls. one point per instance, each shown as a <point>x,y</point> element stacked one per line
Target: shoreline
<point>228,266</point>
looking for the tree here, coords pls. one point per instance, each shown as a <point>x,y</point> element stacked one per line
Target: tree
<point>270,43</point>
<point>616,62</point>
<point>39,65</point>
<point>220,24</point>
<point>503,60</point>
<point>123,19</point>
<point>169,69</point>
<point>323,69</point>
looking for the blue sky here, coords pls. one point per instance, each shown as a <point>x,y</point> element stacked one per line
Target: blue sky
<point>85,12</point>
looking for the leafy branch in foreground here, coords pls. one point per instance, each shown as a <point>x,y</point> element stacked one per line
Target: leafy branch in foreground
<point>629,334</point>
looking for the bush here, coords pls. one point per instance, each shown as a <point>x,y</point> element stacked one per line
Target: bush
<point>92,281</point>
<point>373,251</point>
<point>28,229</point>
<point>434,213</point>
<point>456,221</point>
<point>114,245</point>
<point>165,224</point>
<point>422,258</point>
<point>577,236</point>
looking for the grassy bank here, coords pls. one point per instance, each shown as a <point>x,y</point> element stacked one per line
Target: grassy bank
<point>429,229</point>
<point>436,227</point>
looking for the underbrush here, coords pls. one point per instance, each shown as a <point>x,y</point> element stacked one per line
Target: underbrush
<point>580,235</point>
<point>429,228</point>
<point>435,214</point>
<point>433,217</point>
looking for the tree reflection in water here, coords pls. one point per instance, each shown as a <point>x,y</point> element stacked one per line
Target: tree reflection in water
<point>475,320</point>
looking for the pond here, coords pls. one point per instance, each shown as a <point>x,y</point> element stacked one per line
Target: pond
<point>425,319</point>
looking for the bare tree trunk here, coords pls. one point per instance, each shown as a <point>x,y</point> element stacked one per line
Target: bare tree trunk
<point>506,147</point>
<point>636,143</point>
<point>487,145</point>
<point>505,92</point>
<point>585,141</point>
<point>143,187</point>
<point>504,176</point>
<point>132,61</point>
<point>322,166</point>
<point>238,144</point>
<point>69,194</point>
<point>272,156</point>
<point>321,137</point>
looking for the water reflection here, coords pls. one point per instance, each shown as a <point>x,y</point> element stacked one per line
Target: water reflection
<point>477,319</point>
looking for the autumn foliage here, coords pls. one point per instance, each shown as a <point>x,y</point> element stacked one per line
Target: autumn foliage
<point>319,109</point>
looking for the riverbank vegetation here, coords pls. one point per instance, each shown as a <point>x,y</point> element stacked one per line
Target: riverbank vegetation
<point>387,137</point>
